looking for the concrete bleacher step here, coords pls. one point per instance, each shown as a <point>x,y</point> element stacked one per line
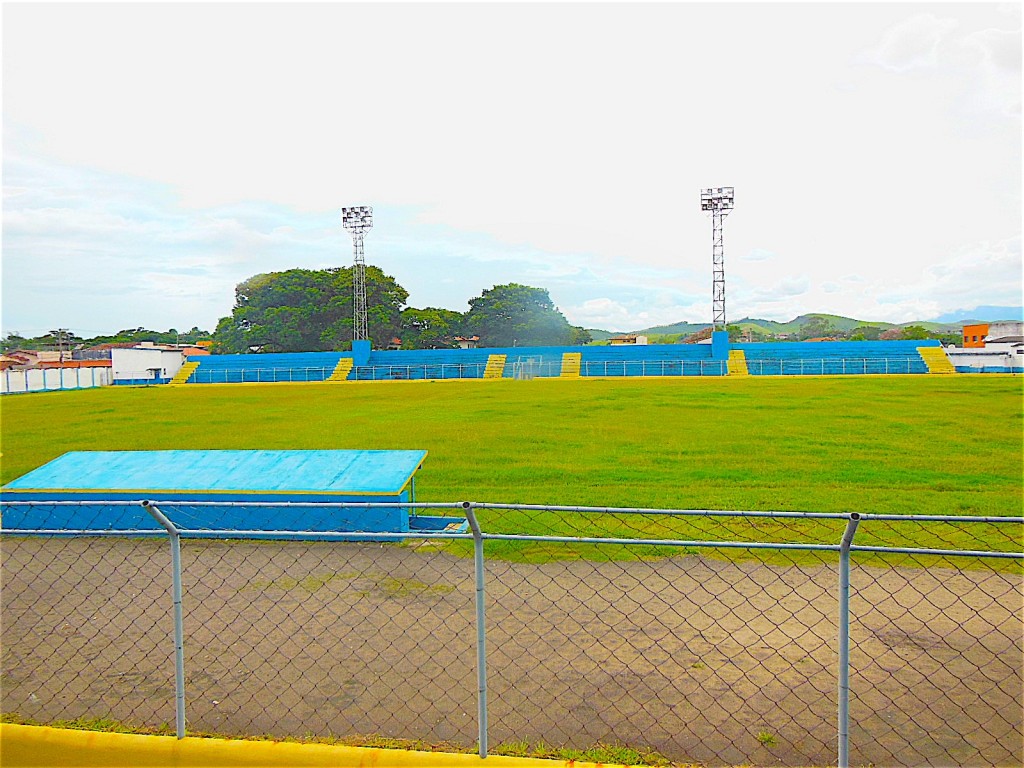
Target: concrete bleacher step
<point>341,370</point>
<point>184,374</point>
<point>936,359</point>
<point>738,363</point>
<point>571,365</point>
<point>495,367</point>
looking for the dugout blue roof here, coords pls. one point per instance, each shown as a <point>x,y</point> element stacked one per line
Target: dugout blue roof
<point>347,473</point>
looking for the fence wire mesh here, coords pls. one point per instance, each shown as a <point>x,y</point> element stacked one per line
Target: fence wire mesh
<point>936,671</point>
<point>85,628</point>
<point>705,637</point>
<point>335,638</point>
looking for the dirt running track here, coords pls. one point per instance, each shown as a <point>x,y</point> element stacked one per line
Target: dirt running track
<point>699,659</point>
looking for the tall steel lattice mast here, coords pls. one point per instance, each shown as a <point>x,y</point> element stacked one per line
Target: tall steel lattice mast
<point>358,220</point>
<point>719,202</point>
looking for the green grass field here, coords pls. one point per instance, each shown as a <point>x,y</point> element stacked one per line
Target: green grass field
<point>911,444</point>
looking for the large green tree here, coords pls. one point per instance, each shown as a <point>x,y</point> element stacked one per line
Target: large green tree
<point>580,336</point>
<point>430,328</point>
<point>306,310</point>
<point>916,332</point>
<point>517,315</point>
<point>865,333</point>
<point>816,327</point>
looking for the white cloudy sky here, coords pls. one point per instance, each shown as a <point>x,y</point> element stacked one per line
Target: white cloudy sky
<point>156,155</point>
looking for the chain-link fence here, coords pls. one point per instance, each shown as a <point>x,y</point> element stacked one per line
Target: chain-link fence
<point>711,637</point>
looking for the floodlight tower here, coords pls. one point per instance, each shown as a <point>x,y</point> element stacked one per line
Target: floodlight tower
<point>719,202</point>
<point>358,220</point>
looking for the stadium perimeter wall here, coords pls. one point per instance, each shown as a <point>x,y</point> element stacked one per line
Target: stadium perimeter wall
<point>318,366</point>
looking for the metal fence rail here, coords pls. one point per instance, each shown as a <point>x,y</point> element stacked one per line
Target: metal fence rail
<point>531,368</point>
<point>654,368</point>
<point>835,366</point>
<point>719,637</point>
<point>410,372</point>
<point>213,375</point>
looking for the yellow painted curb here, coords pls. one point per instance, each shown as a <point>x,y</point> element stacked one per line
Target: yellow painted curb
<point>36,746</point>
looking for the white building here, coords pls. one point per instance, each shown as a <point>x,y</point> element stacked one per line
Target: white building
<point>995,357</point>
<point>1004,331</point>
<point>145,364</point>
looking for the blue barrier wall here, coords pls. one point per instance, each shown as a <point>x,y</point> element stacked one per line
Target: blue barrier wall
<point>424,364</point>
<point>650,360</point>
<point>619,360</point>
<point>779,358</point>
<point>987,369</point>
<point>285,366</point>
<point>835,357</point>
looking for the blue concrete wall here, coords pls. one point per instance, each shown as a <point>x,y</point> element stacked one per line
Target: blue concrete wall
<point>134,517</point>
<point>720,345</point>
<point>285,366</point>
<point>987,369</point>
<point>835,357</point>
<point>619,360</point>
<point>650,360</point>
<point>424,364</point>
<point>361,352</point>
<point>778,358</point>
<point>140,382</point>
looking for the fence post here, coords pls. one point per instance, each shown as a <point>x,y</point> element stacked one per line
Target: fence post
<point>844,639</point>
<point>481,633</point>
<point>179,645</point>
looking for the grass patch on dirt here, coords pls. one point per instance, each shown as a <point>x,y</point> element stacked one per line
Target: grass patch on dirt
<point>310,583</point>
<point>390,586</point>
<point>610,754</point>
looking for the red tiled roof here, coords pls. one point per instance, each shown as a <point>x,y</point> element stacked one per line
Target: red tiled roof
<point>74,364</point>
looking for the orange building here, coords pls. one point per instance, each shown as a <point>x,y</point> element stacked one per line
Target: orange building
<point>974,335</point>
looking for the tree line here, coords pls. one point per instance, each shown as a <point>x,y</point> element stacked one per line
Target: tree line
<point>62,338</point>
<point>311,310</point>
<point>305,310</point>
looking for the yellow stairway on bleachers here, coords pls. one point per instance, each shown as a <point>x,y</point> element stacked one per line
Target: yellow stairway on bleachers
<point>571,365</point>
<point>495,367</point>
<point>341,370</point>
<point>936,359</point>
<point>184,373</point>
<point>738,363</point>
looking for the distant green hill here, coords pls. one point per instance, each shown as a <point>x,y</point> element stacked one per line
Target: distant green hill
<point>774,328</point>
<point>681,327</point>
<point>838,322</point>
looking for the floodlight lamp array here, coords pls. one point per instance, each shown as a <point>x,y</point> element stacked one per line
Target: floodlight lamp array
<point>357,219</point>
<point>717,199</point>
